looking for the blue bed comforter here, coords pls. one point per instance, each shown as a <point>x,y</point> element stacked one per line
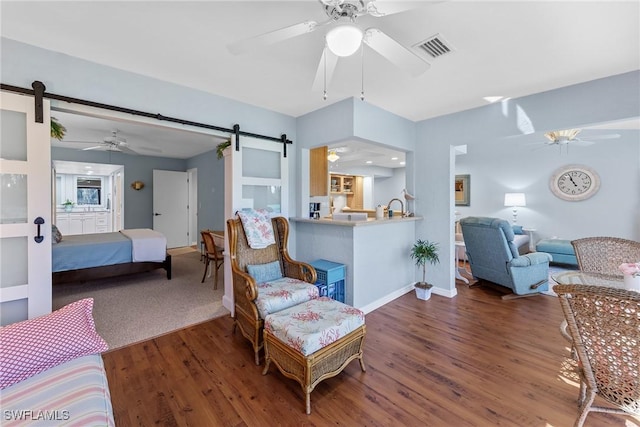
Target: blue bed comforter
<point>91,250</point>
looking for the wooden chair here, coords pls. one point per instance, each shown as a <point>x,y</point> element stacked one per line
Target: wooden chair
<point>213,256</point>
<point>245,290</point>
<point>604,324</point>
<point>603,255</point>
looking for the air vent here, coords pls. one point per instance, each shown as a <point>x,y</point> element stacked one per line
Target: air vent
<point>435,46</point>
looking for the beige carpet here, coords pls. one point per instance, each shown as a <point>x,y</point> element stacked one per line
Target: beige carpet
<point>138,307</point>
<point>181,251</point>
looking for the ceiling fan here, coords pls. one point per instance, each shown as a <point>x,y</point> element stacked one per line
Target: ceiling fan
<point>570,136</point>
<point>114,142</point>
<point>346,38</point>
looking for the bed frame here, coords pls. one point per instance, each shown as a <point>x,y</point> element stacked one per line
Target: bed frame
<point>85,274</point>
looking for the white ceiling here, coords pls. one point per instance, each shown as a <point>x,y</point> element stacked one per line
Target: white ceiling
<point>506,48</point>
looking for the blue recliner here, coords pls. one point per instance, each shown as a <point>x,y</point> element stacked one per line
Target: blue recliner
<point>493,257</point>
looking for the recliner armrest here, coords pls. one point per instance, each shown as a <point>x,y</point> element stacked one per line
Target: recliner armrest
<point>531,259</point>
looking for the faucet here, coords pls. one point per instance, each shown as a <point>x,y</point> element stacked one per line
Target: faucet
<point>401,206</point>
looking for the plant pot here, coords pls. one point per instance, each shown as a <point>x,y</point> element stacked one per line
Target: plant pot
<point>423,291</point>
<point>67,208</point>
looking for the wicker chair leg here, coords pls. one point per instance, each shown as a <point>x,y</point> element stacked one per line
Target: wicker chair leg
<point>361,360</point>
<point>257,352</point>
<point>215,278</point>
<point>584,409</point>
<point>308,401</point>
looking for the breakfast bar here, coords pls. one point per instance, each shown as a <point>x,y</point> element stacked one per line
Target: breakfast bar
<point>374,251</point>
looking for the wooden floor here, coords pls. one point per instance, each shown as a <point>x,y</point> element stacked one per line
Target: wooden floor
<point>472,360</point>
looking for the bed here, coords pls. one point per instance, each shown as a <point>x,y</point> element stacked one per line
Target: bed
<point>85,257</point>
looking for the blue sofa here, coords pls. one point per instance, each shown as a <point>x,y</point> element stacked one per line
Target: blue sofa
<point>494,257</point>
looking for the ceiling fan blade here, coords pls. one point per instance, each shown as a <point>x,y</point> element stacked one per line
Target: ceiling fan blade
<point>380,8</point>
<point>610,136</point>
<point>95,147</point>
<point>331,62</point>
<point>581,142</point>
<point>393,51</point>
<point>246,45</point>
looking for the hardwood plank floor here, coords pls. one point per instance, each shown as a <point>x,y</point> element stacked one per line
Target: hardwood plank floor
<point>473,360</point>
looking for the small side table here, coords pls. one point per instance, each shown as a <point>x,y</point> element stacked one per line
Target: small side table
<point>458,275</point>
<point>530,231</point>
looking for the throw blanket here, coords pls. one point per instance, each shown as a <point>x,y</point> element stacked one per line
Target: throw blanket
<point>147,244</point>
<point>257,227</point>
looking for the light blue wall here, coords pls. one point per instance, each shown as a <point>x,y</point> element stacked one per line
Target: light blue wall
<point>612,212</point>
<point>210,190</point>
<point>138,205</point>
<point>387,188</point>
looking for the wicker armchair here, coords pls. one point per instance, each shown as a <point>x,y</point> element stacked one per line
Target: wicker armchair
<point>604,324</point>
<point>245,289</point>
<point>603,255</point>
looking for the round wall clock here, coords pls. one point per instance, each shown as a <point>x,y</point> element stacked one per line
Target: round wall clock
<point>574,182</point>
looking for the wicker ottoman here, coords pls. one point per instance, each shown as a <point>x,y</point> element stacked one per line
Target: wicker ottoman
<point>313,341</point>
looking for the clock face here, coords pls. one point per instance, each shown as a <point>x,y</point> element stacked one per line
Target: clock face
<point>574,182</point>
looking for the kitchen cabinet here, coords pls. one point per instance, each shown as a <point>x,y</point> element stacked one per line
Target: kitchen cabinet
<point>83,222</point>
<point>350,186</point>
<point>318,172</point>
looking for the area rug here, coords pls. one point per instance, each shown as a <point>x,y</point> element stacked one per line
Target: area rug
<point>141,306</point>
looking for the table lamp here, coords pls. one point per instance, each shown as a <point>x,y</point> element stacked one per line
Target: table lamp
<point>514,200</point>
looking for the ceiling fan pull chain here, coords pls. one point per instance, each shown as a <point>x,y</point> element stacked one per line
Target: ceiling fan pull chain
<point>362,73</point>
<point>324,55</point>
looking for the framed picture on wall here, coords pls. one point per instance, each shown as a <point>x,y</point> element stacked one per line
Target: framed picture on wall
<point>461,190</point>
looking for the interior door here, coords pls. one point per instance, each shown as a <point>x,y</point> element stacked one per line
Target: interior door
<point>25,210</point>
<point>171,206</point>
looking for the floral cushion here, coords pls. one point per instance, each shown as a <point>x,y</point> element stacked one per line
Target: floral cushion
<point>257,227</point>
<point>279,294</point>
<point>310,326</point>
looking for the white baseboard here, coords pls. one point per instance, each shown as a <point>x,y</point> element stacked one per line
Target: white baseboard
<point>396,294</point>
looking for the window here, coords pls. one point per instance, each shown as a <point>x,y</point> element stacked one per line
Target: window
<point>88,191</point>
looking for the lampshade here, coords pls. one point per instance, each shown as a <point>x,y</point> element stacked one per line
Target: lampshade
<point>344,40</point>
<point>333,156</point>
<point>514,199</point>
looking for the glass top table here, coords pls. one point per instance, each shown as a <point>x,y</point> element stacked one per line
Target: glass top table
<point>581,278</point>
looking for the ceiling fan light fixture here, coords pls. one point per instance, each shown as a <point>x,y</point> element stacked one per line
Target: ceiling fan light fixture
<point>344,40</point>
<point>333,156</point>
<point>562,136</point>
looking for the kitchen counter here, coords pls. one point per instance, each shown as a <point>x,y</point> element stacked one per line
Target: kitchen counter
<point>368,222</point>
<point>374,252</point>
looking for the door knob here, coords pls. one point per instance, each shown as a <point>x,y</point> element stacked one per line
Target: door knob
<point>157,214</point>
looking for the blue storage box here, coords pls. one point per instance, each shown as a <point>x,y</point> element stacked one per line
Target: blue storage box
<point>330,278</point>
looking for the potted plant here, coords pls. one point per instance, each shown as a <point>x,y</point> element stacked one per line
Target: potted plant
<point>57,130</point>
<point>424,251</point>
<point>68,204</point>
<point>221,147</point>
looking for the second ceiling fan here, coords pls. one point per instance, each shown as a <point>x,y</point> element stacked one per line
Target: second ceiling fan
<point>114,142</point>
<point>346,38</point>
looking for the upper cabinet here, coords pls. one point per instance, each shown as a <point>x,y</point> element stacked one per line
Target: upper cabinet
<point>318,172</point>
<point>351,186</point>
